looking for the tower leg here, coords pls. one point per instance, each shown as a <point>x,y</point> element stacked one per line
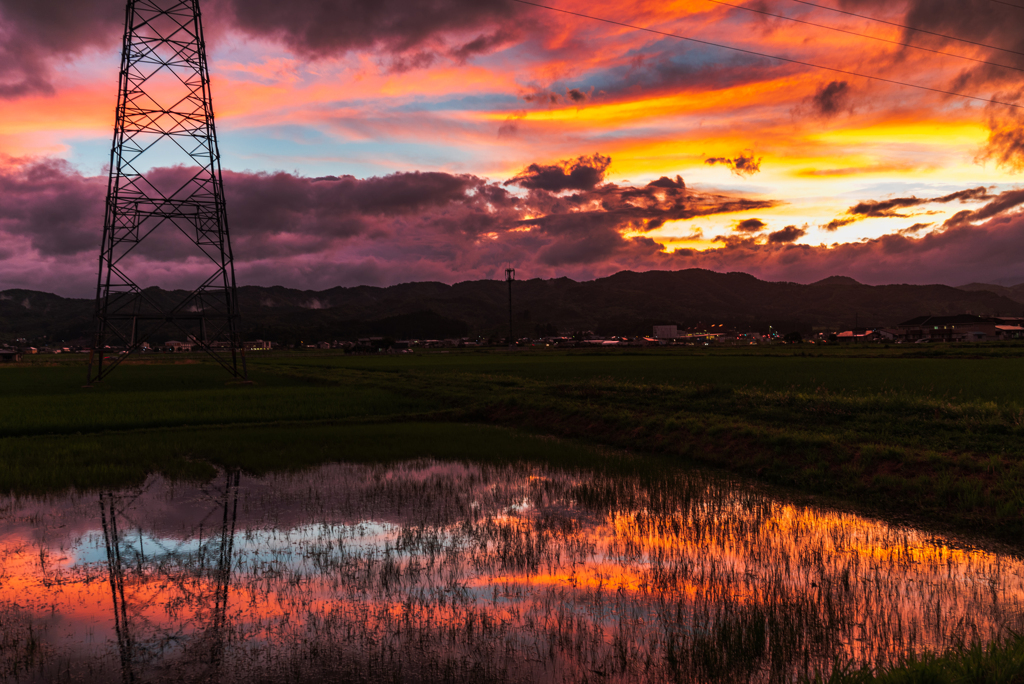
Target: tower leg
<point>173,125</point>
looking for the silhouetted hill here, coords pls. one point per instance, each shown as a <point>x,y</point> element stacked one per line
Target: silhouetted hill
<point>625,303</point>
<point>31,314</point>
<point>1015,292</point>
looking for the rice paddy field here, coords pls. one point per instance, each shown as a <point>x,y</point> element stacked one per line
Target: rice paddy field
<point>791,514</point>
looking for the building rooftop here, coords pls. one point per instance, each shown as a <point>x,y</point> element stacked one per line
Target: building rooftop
<point>941,321</point>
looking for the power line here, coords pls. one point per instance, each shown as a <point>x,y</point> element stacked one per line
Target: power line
<point>865,35</point>
<point>776,57</point>
<point>910,28</point>
<point>1008,4</point>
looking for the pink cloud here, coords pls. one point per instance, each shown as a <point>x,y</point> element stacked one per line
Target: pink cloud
<point>321,232</point>
<point>51,205</point>
<point>984,253</point>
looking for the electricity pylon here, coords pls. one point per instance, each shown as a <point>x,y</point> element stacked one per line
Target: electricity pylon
<point>165,198</point>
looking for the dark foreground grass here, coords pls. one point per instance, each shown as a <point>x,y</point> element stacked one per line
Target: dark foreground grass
<point>42,465</point>
<point>995,663</point>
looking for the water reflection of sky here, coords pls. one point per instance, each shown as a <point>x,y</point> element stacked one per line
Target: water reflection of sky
<point>513,573</point>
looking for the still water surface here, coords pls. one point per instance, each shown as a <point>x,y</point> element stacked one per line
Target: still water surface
<point>436,571</point>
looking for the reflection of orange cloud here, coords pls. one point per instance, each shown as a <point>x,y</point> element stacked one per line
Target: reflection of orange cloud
<point>82,595</point>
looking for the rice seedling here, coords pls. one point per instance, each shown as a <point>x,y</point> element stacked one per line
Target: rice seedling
<point>455,571</point>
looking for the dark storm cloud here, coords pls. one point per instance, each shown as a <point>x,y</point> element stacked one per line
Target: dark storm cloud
<point>399,64</point>
<point>399,193</point>
<point>587,227</point>
<point>884,208</point>
<point>305,232</point>
<point>892,208</point>
<point>786,235</point>
<point>56,209</point>
<point>34,32</point>
<point>576,95</point>
<point>831,99</point>
<point>736,241</point>
<point>665,66</point>
<point>989,25</point>
<point>280,216</point>
<point>837,223</point>
<point>1005,144</point>
<point>1002,203</point>
<point>745,164</point>
<point>301,215</point>
<point>583,173</point>
<point>751,225</point>
<point>510,127</point>
<point>541,96</point>
<point>980,21</point>
<point>315,29</point>
<point>485,43</point>
<point>972,252</point>
<point>912,230</point>
<point>546,97</point>
<point>666,182</point>
<point>984,22</point>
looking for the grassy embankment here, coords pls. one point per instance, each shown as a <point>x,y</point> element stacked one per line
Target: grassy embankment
<point>933,435</point>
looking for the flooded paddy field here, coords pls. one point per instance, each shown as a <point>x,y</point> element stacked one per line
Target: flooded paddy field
<point>427,570</point>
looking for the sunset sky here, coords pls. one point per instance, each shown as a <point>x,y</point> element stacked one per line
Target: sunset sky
<point>400,140</point>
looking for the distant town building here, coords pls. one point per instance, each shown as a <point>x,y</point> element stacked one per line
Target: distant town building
<point>1010,332</point>
<point>10,356</point>
<point>666,332</point>
<point>860,336</point>
<point>176,346</point>
<point>962,328</point>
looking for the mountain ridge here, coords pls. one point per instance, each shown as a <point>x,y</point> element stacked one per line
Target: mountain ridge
<point>626,303</point>
<point>1014,292</point>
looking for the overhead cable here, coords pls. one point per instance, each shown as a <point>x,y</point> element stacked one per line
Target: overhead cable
<point>767,56</point>
<point>910,28</point>
<point>865,35</point>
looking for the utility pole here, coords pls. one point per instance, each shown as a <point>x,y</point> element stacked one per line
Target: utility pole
<point>510,275</point>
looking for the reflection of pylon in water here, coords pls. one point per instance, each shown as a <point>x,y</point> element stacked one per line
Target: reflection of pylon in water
<point>135,645</point>
<point>223,570</point>
<point>116,573</point>
<point>165,118</point>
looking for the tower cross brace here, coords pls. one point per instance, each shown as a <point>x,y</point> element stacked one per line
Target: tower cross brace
<point>165,198</point>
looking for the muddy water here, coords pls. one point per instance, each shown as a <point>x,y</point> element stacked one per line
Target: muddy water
<point>430,571</point>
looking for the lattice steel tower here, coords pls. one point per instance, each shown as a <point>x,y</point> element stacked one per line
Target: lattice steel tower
<point>165,198</point>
